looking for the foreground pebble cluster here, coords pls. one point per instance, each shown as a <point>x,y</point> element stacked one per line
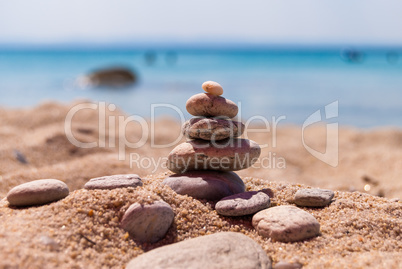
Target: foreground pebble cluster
<point>149,223</point>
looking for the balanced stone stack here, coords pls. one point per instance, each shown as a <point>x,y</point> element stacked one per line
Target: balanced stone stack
<point>204,164</point>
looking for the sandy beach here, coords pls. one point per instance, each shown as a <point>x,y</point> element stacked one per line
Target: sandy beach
<point>361,228</point>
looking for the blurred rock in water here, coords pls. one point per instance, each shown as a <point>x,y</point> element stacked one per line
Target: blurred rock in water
<point>109,77</point>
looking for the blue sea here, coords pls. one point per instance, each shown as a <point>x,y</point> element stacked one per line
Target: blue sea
<point>267,82</point>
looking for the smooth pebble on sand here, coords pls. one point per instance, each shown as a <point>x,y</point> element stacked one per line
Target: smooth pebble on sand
<point>37,192</point>
<point>209,185</point>
<point>242,204</point>
<point>212,87</point>
<point>209,105</point>
<point>286,224</point>
<point>313,197</point>
<point>148,223</point>
<point>225,155</point>
<point>212,128</point>
<point>219,250</point>
<point>113,182</point>
<point>287,265</point>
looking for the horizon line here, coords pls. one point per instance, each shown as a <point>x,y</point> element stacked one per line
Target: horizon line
<point>152,45</point>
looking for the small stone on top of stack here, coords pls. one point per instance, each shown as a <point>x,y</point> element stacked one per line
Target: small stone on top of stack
<point>204,164</point>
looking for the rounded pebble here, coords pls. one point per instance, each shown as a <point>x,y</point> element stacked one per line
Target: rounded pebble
<point>224,155</point>
<point>313,197</point>
<point>209,105</point>
<point>209,185</point>
<point>212,128</point>
<point>37,192</point>
<point>148,223</point>
<point>114,182</point>
<point>241,204</point>
<point>286,224</point>
<point>219,250</point>
<point>287,265</point>
<point>212,87</point>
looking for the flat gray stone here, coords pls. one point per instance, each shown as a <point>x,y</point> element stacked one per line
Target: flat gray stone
<point>114,182</point>
<point>223,155</point>
<point>286,224</point>
<point>209,185</point>
<point>212,128</point>
<point>313,197</point>
<point>209,105</point>
<point>244,203</point>
<point>148,223</point>
<point>215,251</point>
<point>37,192</point>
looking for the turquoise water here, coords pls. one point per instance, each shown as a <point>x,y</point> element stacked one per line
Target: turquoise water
<point>267,82</point>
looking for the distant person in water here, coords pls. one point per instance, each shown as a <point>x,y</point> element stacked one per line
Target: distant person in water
<point>150,57</point>
<point>352,55</point>
<point>171,57</point>
<point>392,57</point>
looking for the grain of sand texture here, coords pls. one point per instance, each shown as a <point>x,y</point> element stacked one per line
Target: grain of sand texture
<point>359,229</point>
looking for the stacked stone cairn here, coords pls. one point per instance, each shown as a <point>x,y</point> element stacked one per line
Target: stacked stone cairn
<point>204,164</point>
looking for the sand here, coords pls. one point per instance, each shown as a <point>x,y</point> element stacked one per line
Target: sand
<point>358,230</point>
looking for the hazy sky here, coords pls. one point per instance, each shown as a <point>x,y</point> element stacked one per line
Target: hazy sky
<point>248,21</point>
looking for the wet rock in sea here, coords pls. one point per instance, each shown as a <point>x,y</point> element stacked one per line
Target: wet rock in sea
<point>244,203</point>
<point>209,185</point>
<point>148,223</point>
<point>114,182</point>
<point>220,250</point>
<point>37,192</point>
<point>286,224</point>
<point>313,197</point>
<point>212,128</point>
<point>110,77</point>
